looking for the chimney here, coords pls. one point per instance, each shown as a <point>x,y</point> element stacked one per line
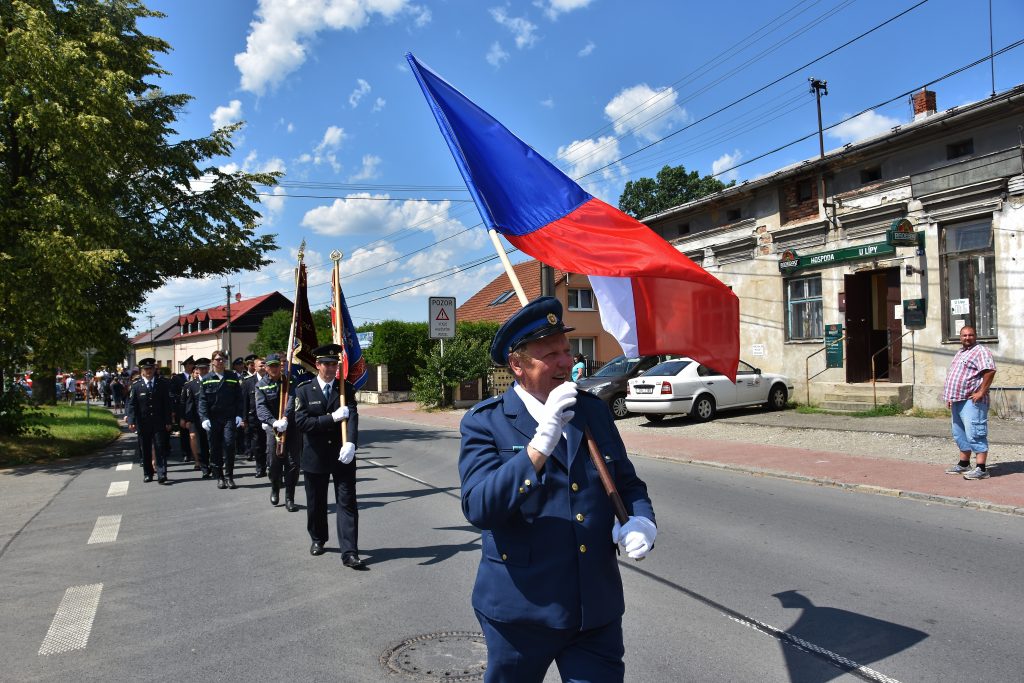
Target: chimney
<point>924,104</point>
<point>238,297</point>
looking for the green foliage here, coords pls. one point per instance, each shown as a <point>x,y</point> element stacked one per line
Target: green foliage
<point>61,431</point>
<point>670,188</point>
<point>100,200</point>
<point>399,345</point>
<point>464,358</point>
<point>272,336</point>
<point>15,412</point>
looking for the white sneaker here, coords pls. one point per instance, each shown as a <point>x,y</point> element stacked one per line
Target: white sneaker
<point>977,473</point>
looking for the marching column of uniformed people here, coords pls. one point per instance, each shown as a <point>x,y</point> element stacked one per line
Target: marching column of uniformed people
<point>548,587</point>
<point>325,457</point>
<point>220,409</point>
<point>198,437</point>
<point>148,413</point>
<point>283,441</point>
<point>178,382</point>
<point>255,436</point>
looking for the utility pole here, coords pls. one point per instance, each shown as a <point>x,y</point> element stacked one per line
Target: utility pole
<point>819,88</point>
<point>150,316</point>
<point>547,280</point>
<point>227,346</point>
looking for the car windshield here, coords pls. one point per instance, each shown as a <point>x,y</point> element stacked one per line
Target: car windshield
<point>668,368</point>
<point>620,365</point>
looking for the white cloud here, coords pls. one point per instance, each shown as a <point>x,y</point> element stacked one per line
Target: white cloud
<point>553,8</point>
<point>379,104</point>
<point>864,126</point>
<point>646,113</point>
<point>369,169</point>
<point>363,213</point>
<point>282,31</point>
<point>727,161</point>
<point>496,55</point>
<point>362,88</point>
<point>225,116</point>
<point>325,152</point>
<point>586,156</point>
<point>522,29</point>
<point>288,125</point>
<point>549,103</point>
<point>586,49</point>
<point>274,203</point>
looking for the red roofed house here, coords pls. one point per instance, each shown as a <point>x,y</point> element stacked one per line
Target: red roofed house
<point>202,332</point>
<point>497,301</point>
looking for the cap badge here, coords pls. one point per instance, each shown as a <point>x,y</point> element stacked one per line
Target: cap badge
<point>552,319</point>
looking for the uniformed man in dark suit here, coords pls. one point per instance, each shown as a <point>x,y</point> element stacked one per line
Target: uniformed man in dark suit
<point>278,426</point>
<point>148,413</point>
<point>238,366</point>
<point>318,412</point>
<point>220,409</point>
<point>548,587</point>
<point>178,382</point>
<point>200,441</point>
<point>255,436</point>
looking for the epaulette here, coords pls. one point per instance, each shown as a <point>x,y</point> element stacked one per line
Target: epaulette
<point>302,384</point>
<point>494,400</point>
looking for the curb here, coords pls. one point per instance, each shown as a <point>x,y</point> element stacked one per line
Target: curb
<point>855,488</point>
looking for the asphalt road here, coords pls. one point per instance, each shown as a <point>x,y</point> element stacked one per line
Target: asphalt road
<point>753,579</point>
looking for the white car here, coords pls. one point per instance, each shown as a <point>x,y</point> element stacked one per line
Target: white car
<point>685,387</point>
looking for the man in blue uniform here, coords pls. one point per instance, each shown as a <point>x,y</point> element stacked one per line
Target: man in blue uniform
<point>255,436</point>
<point>220,410</point>
<point>548,587</point>
<point>318,412</point>
<point>148,413</point>
<point>268,411</point>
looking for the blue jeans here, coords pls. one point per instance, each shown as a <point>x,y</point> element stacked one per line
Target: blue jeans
<point>970,426</point>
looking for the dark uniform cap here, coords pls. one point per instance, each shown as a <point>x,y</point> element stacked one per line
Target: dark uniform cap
<point>238,361</point>
<point>329,353</point>
<point>202,362</point>
<point>251,357</point>
<point>147,363</point>
<point>273,359</point>
<point>188,360</point>
<point>540,318</point>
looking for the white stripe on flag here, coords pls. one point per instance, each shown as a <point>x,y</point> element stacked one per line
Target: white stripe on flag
<point>618,315</point>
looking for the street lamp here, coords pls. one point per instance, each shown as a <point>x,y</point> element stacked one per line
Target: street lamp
<point>88,371</point>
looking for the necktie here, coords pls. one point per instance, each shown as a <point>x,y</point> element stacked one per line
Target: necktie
<point>327,392</point>
<point>149,386</point>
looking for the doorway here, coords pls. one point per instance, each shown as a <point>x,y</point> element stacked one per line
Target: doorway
<point>871,300</point>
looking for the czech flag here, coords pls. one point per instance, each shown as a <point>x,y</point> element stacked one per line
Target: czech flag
<point>652,298</point>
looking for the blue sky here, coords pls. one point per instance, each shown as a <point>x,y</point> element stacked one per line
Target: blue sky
<point>326,97</point>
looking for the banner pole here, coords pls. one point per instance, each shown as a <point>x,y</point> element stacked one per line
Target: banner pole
<point>287,370</point>
<point>338,330</point>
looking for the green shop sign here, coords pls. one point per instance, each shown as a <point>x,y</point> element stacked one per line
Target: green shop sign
<point>792,261</point>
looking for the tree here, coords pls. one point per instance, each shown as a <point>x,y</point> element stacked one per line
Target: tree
<point>399,345</point>
<point>671,187</point>
<point>466,357</point>
<point>100,201</point>
<point>272,337</point>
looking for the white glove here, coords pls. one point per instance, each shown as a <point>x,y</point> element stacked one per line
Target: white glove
<point>207,425</point>
<point>550,426</point>
<point>281,425</point>
<point>635,536</point>
<point>265,427</point>
<point>348,451</point>
<point>340,414</point>
<point>238,421</point>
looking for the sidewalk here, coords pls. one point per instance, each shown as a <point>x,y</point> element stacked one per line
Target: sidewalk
<point>879,475</point>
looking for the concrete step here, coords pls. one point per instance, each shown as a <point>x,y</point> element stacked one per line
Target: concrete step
<point>862,398</point>
<point>865,389</point>
<point>847,406</point>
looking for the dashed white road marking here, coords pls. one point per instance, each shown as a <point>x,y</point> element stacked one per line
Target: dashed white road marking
<point>117,488</point>
<point>106,529</point>
<point>124,467</point>
<point>128,451</point>
<point>72,623</point>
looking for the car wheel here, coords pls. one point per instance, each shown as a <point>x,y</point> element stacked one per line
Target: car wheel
<point>703,408</point>
<point>618,406</point>
<point>778,397</point>
<point>654,417</point>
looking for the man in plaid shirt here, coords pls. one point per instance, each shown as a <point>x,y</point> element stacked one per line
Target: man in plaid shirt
<point>966,395</point>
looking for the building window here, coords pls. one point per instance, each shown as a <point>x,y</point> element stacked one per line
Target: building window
<point>870,175</point>
<point>683,229</point>
<point>732,215</point>
<point>503,297</point>
<point>959,149</point>
<point>581,300</point>
<point>584,345</point>
<point>969,275</point>
<point>803,309</point>
<point>804,190</point>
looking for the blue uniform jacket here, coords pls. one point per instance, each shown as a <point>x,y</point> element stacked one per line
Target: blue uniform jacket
<point>547,552</point>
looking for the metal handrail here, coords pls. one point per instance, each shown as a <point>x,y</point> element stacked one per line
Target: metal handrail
<point>874,392</point>
<point>807,366</point>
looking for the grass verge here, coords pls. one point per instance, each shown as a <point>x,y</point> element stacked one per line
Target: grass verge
<point>884,410</point>
<point>64,432</point>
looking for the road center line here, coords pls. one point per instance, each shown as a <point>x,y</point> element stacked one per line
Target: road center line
<point>400,473</point>
<point>123,467</point>
<point>106,529</point>
<point>72,623</point>
<point>117,488</point>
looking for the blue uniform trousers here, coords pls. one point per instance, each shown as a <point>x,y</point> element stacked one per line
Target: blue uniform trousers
<point>222,446</point>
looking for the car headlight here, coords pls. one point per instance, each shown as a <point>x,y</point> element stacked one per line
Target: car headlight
<point>597,388</point>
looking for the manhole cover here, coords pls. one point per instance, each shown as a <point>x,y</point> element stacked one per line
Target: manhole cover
<point>445,656</point>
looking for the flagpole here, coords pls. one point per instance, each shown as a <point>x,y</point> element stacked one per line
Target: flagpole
<point>595,453</point>
<point>286,375</point>
<point>338,332</point>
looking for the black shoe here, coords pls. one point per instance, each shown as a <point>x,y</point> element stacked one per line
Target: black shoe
<point>352,561</point>
<point>274,498</point>
<point>290,505</point>
<point>222,483</point>
<point>317,548</point>
<point>260,473</point>
<point>148,478</point>
<point>231,483</point>
<point>162,480</point>
<point>196,468</point>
